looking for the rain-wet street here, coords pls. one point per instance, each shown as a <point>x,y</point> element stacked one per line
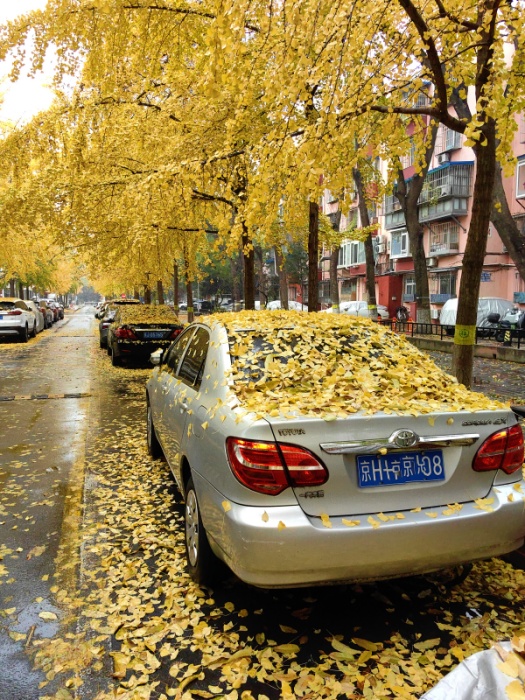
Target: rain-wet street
<point>93,587</point>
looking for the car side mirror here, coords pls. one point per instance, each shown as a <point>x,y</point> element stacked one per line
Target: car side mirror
<point>156,357</point>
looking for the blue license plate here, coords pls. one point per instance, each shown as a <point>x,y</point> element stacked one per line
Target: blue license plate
<point>154,334</point>
<point>400,468</point>
<point>1,317</point>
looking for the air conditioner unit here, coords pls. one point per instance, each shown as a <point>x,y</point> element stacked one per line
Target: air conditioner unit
<point>380,248</point>
<point>434,313</point>
<point>444,191</point>
<point>432,262</point>
<point>443,158</point>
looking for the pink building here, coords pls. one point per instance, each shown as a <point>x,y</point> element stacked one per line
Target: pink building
<point>445,207</point>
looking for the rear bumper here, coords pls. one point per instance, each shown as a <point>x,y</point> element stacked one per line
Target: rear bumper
<point>139,349</point>
<point>306,552</point>
<point>11,328</point>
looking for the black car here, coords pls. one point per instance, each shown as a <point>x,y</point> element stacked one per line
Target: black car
<point>138,330</point>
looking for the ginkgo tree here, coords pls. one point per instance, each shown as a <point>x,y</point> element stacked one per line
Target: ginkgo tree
<point>365,58</point>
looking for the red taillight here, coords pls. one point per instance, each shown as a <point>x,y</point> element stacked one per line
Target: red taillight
<point>269,468</point>
<point>175,333</point>
<point>125,334</point>
<point>502,450</point>
<point>16,312</point>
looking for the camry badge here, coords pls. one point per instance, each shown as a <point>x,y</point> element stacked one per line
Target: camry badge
<point>404,438</point>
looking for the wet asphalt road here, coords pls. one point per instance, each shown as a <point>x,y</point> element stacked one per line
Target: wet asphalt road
<point>56,402</point>
<point>44,405</point>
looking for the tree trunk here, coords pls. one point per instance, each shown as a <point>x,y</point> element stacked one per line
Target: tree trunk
<point>501,217</point>
<point>334,285</point>
<point>147,295</point>
<point>313,256</point>
<point>283,279</point>
<point>12,285</point>
<point>189,299</point>
<point>408,198</point>
<point>160,292</point>
<point>415,235</point>
<point>369,248</point>
<point>465,332</point>
<point>235,282</point>
<point>176,287</point>
<point>260,277</point>
<point>249,269</point>
<point>136,293</point>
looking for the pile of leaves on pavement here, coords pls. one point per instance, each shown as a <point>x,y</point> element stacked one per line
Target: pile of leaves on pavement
<point>329,365</point>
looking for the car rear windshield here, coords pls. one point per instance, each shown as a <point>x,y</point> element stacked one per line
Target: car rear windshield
<point>7,304</point>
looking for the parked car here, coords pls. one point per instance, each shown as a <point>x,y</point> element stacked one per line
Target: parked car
<point>105,322</point>
<point>47,313</point>
<point>292,305</point>
<point>58,309</point>
<point>35,308</point>
<point>360,308</point>
<point>315,448</point>
<point>486,306</point>
<point>138,329</point>
<point>115,302</point>
<point>17,319</point>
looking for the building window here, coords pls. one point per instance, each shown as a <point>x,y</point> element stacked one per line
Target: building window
<point>446,283</point>
<point>351,253</point>
<point>399,244</point>
<point>410,286</point>
<point>408,159</point>
<point>447,139</point>
<point>444,238</point>
<point>520,180</point>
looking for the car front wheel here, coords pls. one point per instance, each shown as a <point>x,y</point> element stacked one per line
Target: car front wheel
<point>203,565</point>
<point>154,448</point>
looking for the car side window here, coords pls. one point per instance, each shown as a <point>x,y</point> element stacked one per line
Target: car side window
<point>177,350</point>
<point>192,367</point>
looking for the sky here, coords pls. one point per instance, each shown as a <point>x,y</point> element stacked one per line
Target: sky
<point>26,97</point>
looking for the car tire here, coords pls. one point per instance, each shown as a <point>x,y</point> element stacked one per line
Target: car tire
<point>115,359</point>
<point>203,566</point>
<point>102,343</point>
<point>33,332</point>
<point>154,448</point>
<point>24,335</point>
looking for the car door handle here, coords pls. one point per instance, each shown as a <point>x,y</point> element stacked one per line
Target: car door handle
<point>183,406</point>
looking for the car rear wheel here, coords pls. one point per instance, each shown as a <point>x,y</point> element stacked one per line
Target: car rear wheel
<point>33,332</point>
<point>203,565</point>
<point>102,343</point>
<point>115,359</point>
<point>154,448</point>
<point>24,335</point>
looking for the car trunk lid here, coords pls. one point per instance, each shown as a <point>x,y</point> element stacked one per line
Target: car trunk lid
<point>385,463</point>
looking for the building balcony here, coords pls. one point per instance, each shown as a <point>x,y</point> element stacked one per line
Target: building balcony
<point>440,298</point>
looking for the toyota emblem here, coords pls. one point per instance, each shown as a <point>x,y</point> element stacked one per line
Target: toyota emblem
<point>404,438</point>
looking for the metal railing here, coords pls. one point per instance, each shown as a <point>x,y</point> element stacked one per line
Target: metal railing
<point>497,336</point>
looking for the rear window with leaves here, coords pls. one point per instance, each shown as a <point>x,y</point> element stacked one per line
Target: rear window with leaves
<point>333,365</point>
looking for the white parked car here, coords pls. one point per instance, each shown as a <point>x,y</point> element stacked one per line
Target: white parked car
<point>40,320</point>
<point>17,319</point>
<point>360,308</point>
<point>292,305</point>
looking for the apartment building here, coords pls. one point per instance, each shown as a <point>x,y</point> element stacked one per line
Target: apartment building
<point>445,207</point>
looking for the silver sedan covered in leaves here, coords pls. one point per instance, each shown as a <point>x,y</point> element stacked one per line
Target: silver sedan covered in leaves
<point>321,448</point>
